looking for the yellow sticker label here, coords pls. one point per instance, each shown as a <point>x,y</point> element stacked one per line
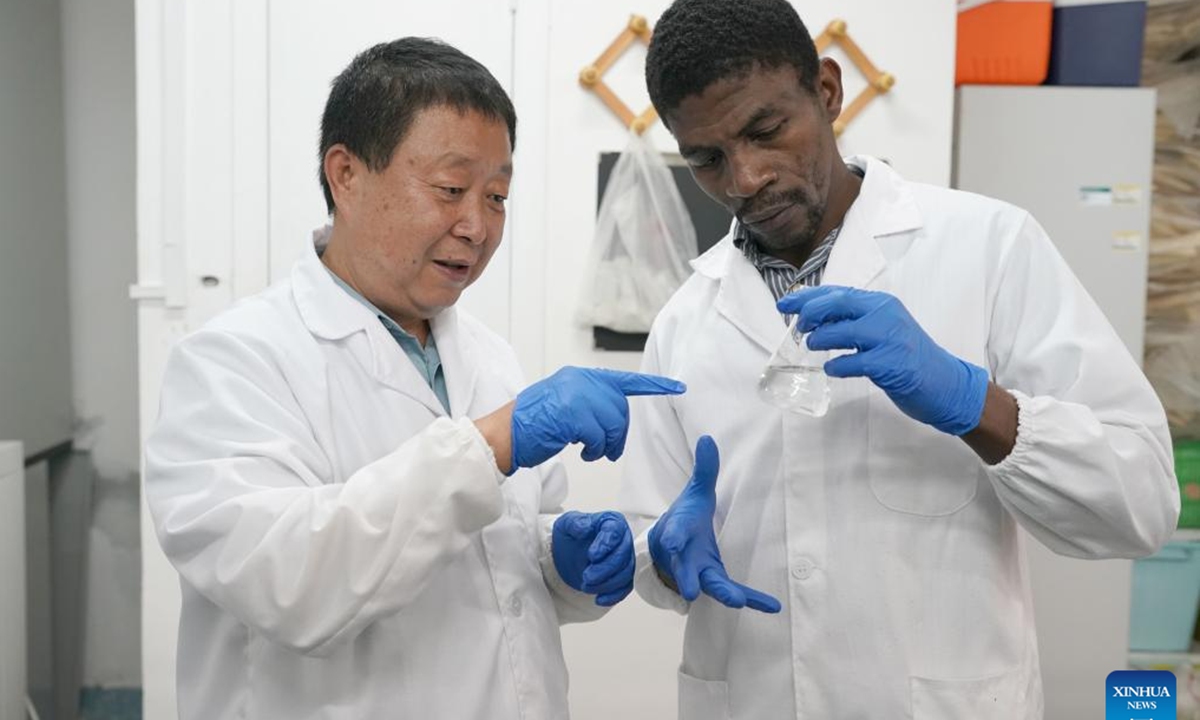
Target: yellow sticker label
<point>1127,240</point>
<point>1127,194</point>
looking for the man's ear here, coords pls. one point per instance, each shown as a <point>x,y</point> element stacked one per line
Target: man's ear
<point>343,172</point>
<point>829,88</point>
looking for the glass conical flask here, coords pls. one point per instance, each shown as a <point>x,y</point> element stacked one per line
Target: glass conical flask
<point>795,378</point>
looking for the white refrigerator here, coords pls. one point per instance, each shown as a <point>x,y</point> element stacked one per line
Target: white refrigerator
<point>1080,160</point>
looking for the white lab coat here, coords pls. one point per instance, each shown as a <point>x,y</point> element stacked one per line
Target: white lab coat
<point>344,549</point>
<point>892,547</point>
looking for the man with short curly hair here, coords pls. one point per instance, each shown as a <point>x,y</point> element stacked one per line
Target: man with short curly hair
<point>976,387</point>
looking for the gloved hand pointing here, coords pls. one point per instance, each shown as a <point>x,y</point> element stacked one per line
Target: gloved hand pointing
<point>927,383</point>
<point>683,544</point>
<point>593,553</point>
<point>579,405</point>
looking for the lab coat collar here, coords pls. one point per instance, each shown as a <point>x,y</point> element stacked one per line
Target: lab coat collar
<point>884,207</point>
<point>328,311</point>
<point>332,314</point>
<point>455,350</point>
<point>743,298</point>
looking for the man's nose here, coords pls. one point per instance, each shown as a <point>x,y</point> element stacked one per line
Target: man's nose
<point>472,223</point>
<point>748,175</point>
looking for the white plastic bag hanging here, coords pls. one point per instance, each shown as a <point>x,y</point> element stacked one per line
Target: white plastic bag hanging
<point>644,239</point>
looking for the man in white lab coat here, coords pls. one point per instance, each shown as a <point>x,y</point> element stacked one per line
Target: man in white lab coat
<point>365,523</point>
<point>977,388</point>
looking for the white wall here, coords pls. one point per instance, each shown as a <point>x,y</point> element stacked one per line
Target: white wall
<point>98,104</point>
<point>161,87</point>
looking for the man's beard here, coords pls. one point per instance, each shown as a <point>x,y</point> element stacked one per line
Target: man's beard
<point>800,238</point>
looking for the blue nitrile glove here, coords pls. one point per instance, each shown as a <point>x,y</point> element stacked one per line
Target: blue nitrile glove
<point>593,553</point>
<point>683,544</point>
<point>579,405</point>
<point>926,382</point>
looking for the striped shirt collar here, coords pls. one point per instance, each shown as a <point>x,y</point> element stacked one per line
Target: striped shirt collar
<point>780,275</point>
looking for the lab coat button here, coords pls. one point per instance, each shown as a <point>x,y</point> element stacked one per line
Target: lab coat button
<point>803,570</point>
<point>514,606</point>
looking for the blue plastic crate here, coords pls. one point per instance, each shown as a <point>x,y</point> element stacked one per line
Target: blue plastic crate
<point>1166,592</point>
<point>1097,43</point>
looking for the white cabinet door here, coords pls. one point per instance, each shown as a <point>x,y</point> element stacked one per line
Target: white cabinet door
<point>13,671</point>
<point>310,42</point>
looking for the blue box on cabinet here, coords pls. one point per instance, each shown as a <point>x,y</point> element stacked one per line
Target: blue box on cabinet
<point>1097,43</point>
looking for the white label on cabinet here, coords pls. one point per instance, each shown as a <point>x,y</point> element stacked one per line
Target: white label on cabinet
<point>1096,195</point>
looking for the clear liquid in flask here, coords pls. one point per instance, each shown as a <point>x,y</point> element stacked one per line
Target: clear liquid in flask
<point>795,378</point>
<point>798,388</point>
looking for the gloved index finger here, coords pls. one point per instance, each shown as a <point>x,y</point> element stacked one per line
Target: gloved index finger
<point>631,383</point>
<point>835,305</point>
<point>794,302</point>
<point>758,600</point>
<point>716,584</point>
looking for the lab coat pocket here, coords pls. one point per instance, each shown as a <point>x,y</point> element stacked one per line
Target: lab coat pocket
<point>702,699</point>
<point>914,468</point>
<point>998,697</point>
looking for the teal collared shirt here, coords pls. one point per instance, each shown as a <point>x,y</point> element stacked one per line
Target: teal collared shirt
<point>425,359</point>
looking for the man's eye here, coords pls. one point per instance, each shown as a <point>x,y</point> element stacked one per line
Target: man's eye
<point>453,190</point>
<point>767,134</point>
<point>704,161</point>
<point>498,198</point>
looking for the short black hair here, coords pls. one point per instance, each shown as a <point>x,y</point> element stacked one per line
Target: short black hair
<point>698,42</point>
<point>373,102</point>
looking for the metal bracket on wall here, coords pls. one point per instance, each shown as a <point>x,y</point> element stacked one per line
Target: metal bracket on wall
<point>878,82</point>
<point>592,76</point>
